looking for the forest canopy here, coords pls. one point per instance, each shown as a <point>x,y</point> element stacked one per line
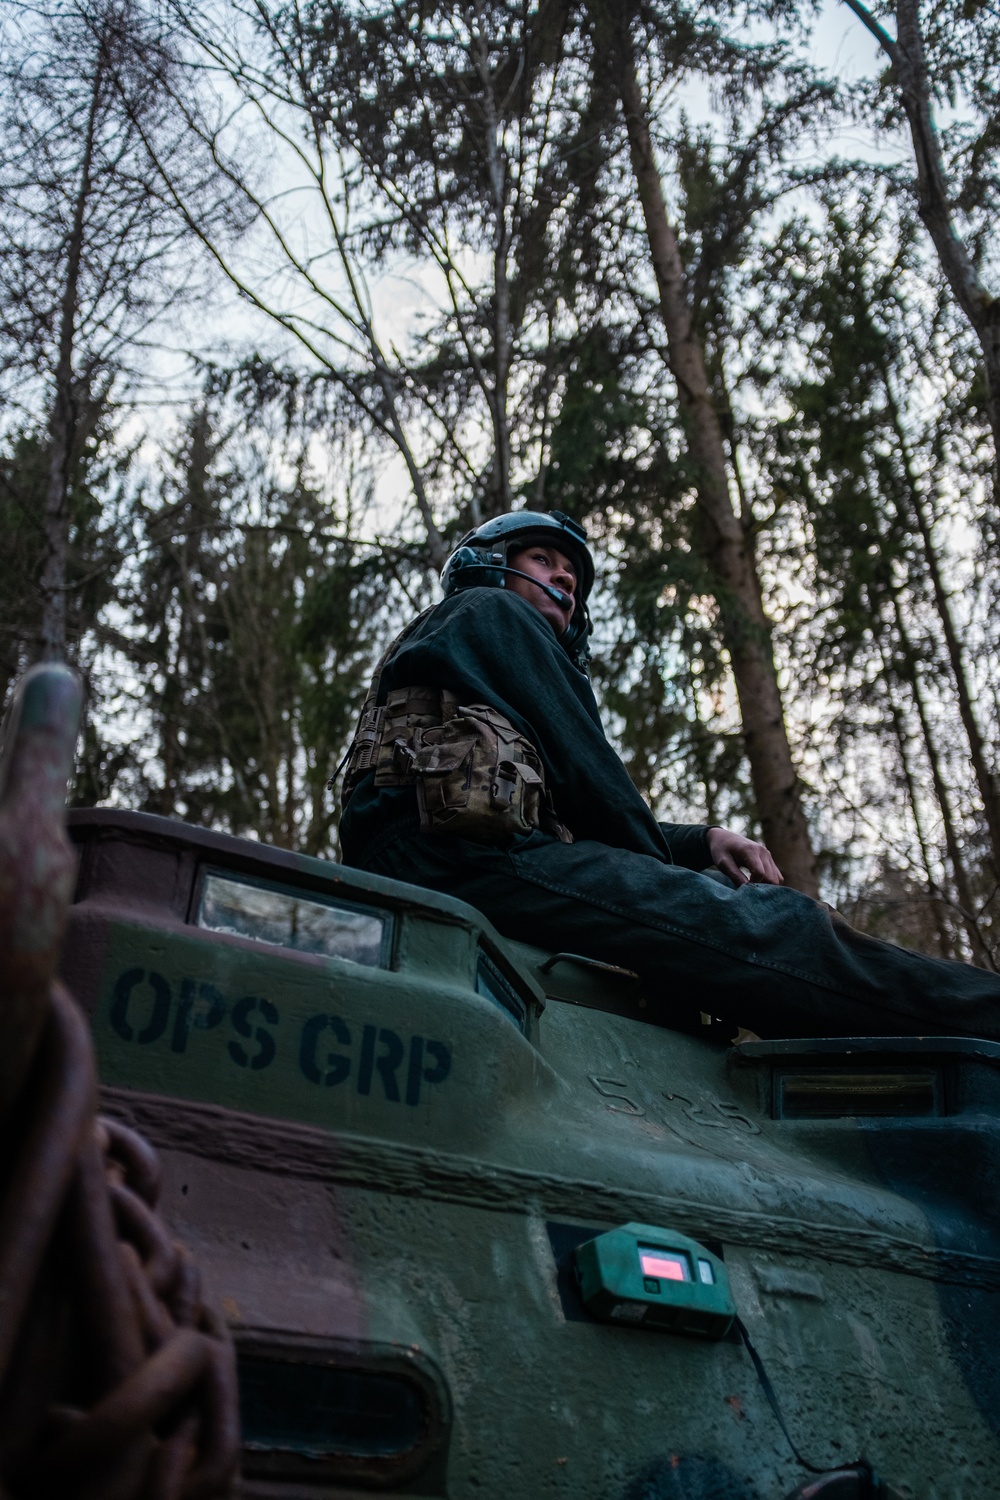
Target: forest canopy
<point>292,294</point>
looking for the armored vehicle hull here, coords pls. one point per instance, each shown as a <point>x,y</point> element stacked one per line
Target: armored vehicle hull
<point>387,1134</point>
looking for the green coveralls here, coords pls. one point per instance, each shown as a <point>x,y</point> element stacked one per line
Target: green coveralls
<point>629,891</point>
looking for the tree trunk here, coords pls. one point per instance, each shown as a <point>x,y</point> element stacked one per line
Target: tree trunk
<point>502,331</point>
<point>64,414</point>
<point>730,554</point>
<point>909,66</point>
<point>945,943</point>
<point>985,780</point>
<point>980,953</point>
<point>967,910</point>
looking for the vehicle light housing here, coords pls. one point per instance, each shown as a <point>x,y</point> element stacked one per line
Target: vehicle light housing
<point>644,1275</point>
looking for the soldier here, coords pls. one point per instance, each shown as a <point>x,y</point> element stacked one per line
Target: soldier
<point>480,769</point>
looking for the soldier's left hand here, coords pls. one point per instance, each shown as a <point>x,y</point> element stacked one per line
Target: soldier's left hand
<point>742,859</point>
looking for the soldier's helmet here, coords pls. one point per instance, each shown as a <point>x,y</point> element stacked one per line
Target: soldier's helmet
<point>480,561</point>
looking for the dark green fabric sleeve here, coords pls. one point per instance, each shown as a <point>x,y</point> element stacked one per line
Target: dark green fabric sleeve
<point>489,646</point>
<point>688,844</point>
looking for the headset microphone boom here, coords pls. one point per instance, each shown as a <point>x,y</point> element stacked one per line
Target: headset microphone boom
<point>555,594</point>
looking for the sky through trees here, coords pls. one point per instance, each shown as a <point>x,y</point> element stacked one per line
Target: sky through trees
<point>294,294</point>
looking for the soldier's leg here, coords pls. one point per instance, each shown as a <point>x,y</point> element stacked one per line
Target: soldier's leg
<point>764,957</point>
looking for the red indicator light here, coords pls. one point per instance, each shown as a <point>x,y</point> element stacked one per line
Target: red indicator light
<point>661,1263</point>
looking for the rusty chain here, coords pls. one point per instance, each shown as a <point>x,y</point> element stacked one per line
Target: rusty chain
<point>116,1381</point>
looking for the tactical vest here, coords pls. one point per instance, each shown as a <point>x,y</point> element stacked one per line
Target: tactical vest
<point>475,775</point>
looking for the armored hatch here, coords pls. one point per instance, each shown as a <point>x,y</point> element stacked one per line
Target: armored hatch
<point>390,1136</point>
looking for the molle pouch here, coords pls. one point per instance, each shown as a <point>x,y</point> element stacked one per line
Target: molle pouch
<point>404,713</point>
<point>476,778</point>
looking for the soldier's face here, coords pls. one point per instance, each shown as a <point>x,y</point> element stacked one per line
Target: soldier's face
<point>551,567</point>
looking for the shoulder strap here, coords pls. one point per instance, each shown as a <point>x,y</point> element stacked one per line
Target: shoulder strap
<point>371,697</point>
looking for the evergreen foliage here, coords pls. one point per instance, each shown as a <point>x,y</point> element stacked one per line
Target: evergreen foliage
<point>228,588</point>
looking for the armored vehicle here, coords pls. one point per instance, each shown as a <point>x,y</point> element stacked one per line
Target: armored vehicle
<point>482,1228</point>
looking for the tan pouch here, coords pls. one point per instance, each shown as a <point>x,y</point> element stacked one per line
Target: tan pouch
<point>476,777</point>
<point>404,713</point>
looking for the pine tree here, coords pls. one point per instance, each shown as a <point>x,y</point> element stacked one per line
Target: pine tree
<point>885,633</point>
<point>254,631</point>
